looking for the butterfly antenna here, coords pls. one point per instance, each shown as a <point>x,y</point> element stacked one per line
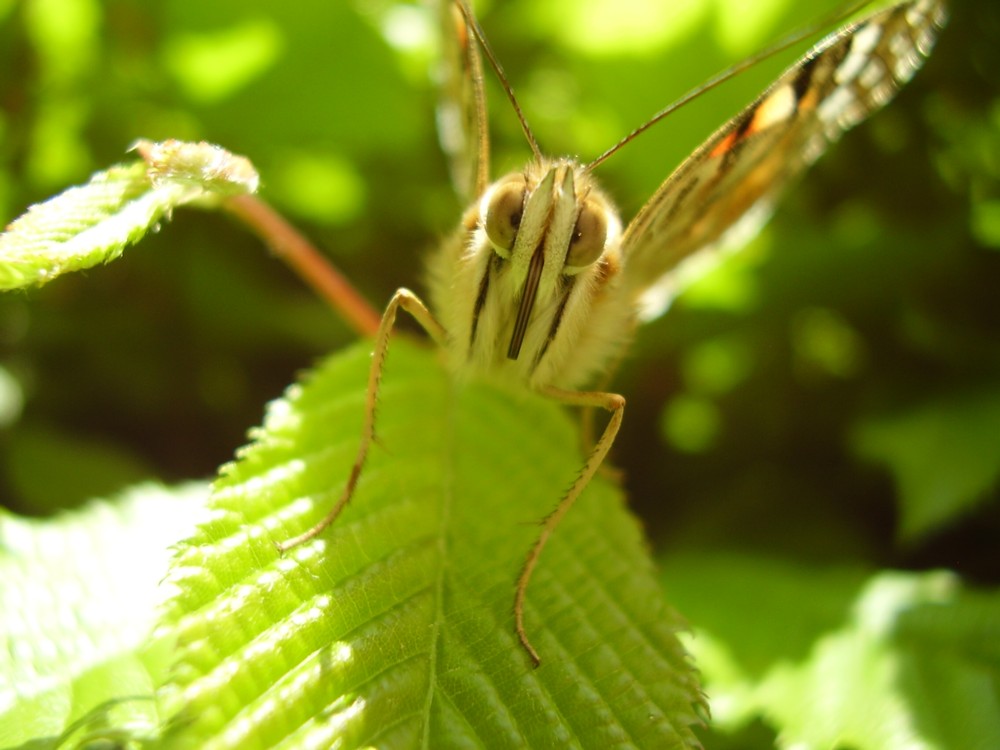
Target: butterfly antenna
<point>498,69</point>
<point>719,78</point>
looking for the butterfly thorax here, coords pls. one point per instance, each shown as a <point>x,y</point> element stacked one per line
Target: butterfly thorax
<point>529,288</point>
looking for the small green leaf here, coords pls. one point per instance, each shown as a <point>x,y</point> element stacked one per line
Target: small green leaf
<point>839,658</point>
<point>93,223</point>
<point>943,456</point>
<point>394,629</point>
<point>77,606</point>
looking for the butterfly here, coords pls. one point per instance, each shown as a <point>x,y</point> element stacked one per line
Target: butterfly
<point>542,283</point>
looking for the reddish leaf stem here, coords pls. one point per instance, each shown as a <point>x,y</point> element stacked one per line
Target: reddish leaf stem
<point>312,267</point>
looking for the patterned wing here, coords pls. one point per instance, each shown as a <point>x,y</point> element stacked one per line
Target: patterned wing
<point>461,113</point>
<point>726,189</point>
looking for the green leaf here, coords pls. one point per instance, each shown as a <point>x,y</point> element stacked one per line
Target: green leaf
<point>942,454</point>
<point>839,658</point>
<point>395,628</point>
<point>93,223</point>
<point>77,606</point>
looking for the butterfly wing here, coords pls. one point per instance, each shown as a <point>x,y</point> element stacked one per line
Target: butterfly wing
<point>461,113</point>
<point>725,191</point>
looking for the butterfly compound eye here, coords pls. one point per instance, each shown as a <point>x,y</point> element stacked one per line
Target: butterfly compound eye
<point>588,240</point>
<point>503,214</point>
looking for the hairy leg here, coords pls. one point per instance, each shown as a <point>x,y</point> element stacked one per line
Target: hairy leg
<point>611,402</point>
<point>402,299</point>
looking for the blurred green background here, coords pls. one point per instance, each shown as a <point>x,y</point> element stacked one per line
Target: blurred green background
<point>831,395</point>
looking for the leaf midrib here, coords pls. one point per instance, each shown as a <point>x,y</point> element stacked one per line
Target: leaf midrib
<point>447,498</point>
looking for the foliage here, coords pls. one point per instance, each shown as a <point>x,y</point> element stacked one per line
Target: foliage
<point>77,606</point>
<point>395,629</point>
<point>822,409</point>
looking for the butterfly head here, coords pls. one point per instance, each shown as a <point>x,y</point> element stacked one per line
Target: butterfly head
<point>546,224</point>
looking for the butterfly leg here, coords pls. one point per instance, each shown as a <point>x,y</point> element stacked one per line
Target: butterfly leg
<point>588,429</point>
<point>402,299</point>
<point>611,402</point>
